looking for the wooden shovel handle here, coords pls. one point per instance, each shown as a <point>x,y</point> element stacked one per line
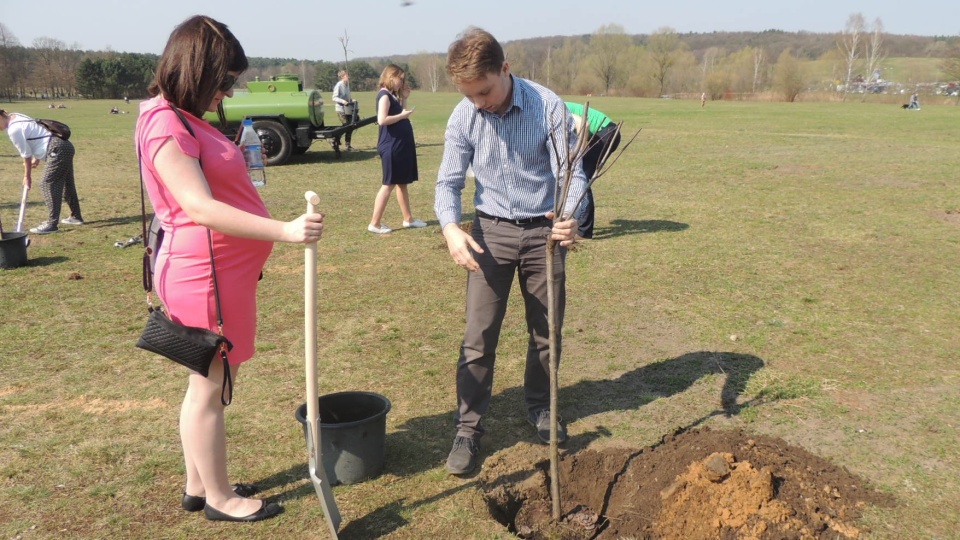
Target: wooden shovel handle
<point>310,326</point>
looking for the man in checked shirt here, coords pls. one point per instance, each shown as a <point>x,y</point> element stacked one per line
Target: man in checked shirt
<point>502,130</point>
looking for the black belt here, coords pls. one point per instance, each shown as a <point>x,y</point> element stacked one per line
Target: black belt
<point>524,221</point>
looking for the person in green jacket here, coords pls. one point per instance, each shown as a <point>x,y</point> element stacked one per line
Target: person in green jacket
<point>603,135</point>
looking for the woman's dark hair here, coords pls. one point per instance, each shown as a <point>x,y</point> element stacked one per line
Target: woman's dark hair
<point>195,63</point>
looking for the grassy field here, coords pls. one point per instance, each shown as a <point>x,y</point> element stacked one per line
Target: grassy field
<point>816,242</point>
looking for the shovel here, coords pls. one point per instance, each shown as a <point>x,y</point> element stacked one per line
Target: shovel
<point>318,475</point>
<point>23,206</point>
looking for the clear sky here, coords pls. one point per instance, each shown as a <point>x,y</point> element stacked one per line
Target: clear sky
<point>309,29</point>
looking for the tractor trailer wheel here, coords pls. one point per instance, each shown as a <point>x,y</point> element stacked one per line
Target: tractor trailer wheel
<point>276,141</point>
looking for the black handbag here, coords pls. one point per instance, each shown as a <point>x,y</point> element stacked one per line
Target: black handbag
<point>188,346</point>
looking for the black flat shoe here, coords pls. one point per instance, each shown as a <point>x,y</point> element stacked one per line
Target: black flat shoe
<point>193,503</point>
<point>266,511</point>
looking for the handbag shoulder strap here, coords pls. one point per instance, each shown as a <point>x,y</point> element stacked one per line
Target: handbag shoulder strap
<point>213,266</point>
<point>148,283</point>
<point>49,134</point>
<point>147,278</point>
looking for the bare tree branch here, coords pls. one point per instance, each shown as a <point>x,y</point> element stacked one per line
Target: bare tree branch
<point>875,54</point>
<point>344,42</point>
<point>849,45</point>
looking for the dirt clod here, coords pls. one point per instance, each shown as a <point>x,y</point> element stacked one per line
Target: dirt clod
<point>717,466</point>
<point>695,484</point>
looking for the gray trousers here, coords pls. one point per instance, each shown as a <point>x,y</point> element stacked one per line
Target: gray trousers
<point>58,184</point>
<point>509,250</point>
<point>344,120</point>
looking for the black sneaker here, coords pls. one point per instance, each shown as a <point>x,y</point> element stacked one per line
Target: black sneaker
<point>46,227</point>
<point>541,421</point>
<point>463,456</point>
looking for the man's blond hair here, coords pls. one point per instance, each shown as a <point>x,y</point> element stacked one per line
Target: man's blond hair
<point>473,55</point>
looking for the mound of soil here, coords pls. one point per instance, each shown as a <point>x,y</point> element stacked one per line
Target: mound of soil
<point>695,484</point>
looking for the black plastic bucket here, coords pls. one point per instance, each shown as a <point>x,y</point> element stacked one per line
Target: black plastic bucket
<point>13,249</point>
<point>353,431</point>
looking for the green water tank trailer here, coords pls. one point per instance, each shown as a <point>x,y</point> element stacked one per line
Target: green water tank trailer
<point>287,117</point>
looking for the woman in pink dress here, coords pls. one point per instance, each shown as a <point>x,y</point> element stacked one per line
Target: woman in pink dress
<point>199,182</point>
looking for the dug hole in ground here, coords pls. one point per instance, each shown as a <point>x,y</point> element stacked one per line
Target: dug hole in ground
<point>696,484</point>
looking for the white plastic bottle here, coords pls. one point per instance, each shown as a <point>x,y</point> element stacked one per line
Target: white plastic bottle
<point>253,153</point>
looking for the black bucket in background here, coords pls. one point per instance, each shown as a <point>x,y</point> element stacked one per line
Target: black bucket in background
<point>353,431</point>
<point>13,249</point>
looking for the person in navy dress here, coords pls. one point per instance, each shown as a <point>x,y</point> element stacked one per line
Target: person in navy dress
<point>397,148</point>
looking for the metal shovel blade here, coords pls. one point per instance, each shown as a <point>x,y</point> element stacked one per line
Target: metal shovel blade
<point>318,475</point>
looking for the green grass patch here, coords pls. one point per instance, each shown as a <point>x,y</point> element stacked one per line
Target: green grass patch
<point>788,268</point>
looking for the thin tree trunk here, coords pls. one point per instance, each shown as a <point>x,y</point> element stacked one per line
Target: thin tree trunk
<point>552,325</point>
<point>566,168</point>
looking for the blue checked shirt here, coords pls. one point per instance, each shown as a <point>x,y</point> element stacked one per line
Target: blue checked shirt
<point>513,158</point>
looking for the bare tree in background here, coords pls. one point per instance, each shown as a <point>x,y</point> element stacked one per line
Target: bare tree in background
<point>522,62</point>
<point>565,64</point>
<point>426,66</point>
<point>344,42</point>
<point>433,73</point>
<point>49,70</point>
<point>11,63</point>
<point>7,39</point>
<point>68,61</point>
<point>849,45</point>
<point>663,45</point>
<point>741,71</point>
<point>711,57</point>
<point>758,61</point>
<point>608,44</point>
<point>875,55</point>
<point>788,76</point>
<point>546,65</point>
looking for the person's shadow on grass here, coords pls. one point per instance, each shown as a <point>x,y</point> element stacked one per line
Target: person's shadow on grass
<point>421,444</point>
<point>412,448</point>
<point>326,155</point>
<point>118,220</point>
<point>14,207</point>
<point>623,227</point>
<point>46,261</point>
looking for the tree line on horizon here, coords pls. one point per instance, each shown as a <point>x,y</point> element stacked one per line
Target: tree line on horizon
<point>721,65</point>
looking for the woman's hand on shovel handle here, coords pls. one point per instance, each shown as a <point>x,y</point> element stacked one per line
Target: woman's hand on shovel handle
<point>305,229</point>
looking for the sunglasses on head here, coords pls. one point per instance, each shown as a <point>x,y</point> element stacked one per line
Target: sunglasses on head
<point>228,82</point>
